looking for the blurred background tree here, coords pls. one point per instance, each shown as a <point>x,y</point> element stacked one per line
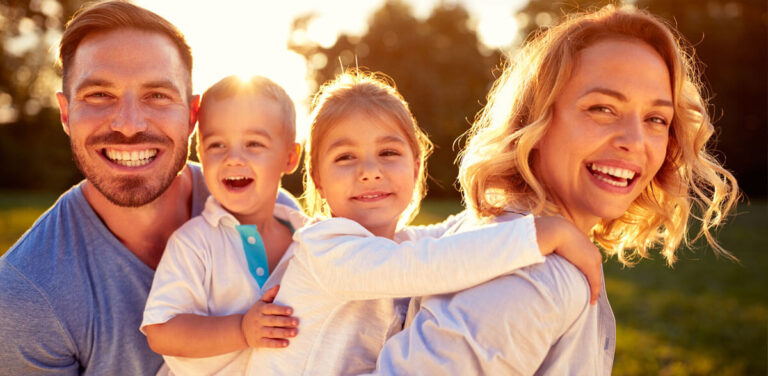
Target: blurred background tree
<point>34,151</point>
<point>437,63</point>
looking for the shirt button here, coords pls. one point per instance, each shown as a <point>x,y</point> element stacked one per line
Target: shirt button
<point>251,240</point>
<point>259,271</point>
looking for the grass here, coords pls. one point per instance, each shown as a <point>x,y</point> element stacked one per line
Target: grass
<point>704,316</point>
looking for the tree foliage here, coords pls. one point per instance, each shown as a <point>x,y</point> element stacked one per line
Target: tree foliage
<point>34,152</point>
<point>437,63</point>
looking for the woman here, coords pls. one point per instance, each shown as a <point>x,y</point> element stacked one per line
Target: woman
<point>601,120</point>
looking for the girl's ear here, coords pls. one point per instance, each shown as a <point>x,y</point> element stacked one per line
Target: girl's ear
<point>416,169</point>
<point>316,180</point>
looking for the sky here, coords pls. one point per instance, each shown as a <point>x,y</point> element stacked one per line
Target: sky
<point>249,37</point>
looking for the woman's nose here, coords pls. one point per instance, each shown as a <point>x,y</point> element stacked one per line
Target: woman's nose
<point>630,134</point>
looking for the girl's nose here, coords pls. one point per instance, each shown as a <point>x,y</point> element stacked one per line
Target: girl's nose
<point>370,171</point>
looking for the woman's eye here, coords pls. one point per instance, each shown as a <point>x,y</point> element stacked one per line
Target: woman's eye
<point>600,109</point>
<point>658,120</point>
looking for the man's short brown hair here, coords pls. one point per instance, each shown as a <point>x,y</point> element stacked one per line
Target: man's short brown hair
<point>113,15</point>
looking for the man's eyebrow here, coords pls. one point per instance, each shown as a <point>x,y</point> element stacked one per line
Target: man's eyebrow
<point>91,82</point>
<point>161,84</point>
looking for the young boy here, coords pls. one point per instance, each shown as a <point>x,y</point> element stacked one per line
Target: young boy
<point>200,314</point>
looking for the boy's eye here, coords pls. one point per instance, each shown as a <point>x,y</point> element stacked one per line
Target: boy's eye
<point>254,144</point>
<point>389,153</point>
<point>215,145</point>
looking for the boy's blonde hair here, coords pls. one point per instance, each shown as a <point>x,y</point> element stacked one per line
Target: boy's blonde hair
<point>495,170</point>
<point>256,86</point>
<point>374,94</point>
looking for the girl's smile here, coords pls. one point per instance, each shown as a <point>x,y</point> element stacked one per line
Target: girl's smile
<point>367,171</point>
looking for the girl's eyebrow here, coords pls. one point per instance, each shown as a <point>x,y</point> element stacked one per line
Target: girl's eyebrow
<point>346,141</point>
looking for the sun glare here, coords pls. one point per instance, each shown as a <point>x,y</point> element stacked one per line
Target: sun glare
<point>249,38</point>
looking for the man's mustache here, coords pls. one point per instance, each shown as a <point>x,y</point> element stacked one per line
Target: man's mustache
<point>114,138</point>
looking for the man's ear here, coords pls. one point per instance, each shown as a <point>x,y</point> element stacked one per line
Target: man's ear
<point>194,110</point>
<point>294,154</point>
<point>64,110</point>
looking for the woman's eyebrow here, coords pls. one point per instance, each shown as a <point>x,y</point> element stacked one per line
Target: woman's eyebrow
<point>622,98</point>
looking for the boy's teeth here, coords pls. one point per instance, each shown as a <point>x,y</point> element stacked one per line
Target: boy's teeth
<point>134,158</point>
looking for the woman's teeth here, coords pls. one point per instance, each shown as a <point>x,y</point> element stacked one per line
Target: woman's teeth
<point>616,176</point>
<point>134,158</point>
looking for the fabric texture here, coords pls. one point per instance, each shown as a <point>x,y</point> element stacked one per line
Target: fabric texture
<point>536,320</point>
<point>72,295</point>
<point>350,289</point>
<point>204,271</point>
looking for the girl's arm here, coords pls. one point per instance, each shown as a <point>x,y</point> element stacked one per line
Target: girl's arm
<point>349,262</point>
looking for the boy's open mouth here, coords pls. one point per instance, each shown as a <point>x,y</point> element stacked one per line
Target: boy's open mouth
<point>237,182</point>
<point>616,176</point>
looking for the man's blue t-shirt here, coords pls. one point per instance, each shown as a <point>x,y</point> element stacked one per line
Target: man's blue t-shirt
<point>72,296</point>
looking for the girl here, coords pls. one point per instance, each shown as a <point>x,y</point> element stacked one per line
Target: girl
<point>365,169</point>
<point>600,119</point>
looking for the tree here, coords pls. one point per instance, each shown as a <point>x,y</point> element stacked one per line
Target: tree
<point>34,152</point>
<point>438,64</point>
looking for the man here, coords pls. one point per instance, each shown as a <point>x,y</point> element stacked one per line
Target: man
<point>74,286</point>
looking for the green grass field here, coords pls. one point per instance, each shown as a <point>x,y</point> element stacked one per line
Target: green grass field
<point>705,316</point>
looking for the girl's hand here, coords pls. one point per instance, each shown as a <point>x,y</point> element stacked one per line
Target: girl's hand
<point>557,234</point>
<point>268,325</point>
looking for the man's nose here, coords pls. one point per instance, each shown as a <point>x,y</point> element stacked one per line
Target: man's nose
<point>129,119</point>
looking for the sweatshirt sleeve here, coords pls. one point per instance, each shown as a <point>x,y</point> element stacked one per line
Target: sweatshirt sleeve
<point>351,263</point>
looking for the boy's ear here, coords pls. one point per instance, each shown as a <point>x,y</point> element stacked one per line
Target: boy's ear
<point>64,109</point>
<point>194,110</point>
<point>294,154</point>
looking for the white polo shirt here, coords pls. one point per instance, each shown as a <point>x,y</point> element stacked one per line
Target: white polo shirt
<point>204,270</point>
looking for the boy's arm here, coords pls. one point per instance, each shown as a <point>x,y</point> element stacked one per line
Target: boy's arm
<point>195,336</point>
<point>351,263</point>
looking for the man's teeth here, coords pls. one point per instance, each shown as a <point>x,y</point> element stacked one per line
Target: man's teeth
<point>134,158</point>
<point>617,172</point>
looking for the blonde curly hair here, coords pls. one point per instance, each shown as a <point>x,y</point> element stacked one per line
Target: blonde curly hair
<point>373,93</point>
<point>495,171</point>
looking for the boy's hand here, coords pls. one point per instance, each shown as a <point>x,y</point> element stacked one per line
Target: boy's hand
<point>561,236</point>
<point>268,325</point>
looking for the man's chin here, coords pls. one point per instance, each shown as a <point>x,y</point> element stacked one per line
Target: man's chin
<point>130,192</point>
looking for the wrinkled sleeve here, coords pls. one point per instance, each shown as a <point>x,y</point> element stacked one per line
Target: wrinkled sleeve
<point>33,340</point>
<point>435,230</point>
<point>351,263</point>
<point>505,326</point>
<point>178,286</point>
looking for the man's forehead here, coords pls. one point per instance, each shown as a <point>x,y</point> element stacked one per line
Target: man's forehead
<point>127,56</point>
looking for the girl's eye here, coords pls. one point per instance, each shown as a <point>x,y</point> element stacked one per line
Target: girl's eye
<point>343,157</point>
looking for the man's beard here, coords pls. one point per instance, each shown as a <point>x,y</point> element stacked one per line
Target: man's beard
<point>129,191</point>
